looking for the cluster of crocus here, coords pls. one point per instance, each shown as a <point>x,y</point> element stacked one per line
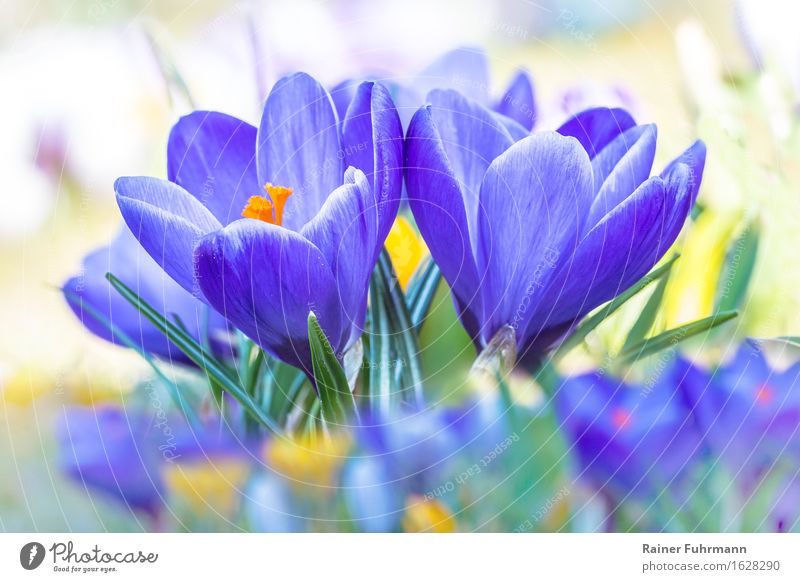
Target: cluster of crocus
<point>661,441</point>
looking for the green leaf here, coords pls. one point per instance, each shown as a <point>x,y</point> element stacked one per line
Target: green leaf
<point>590,323</point>
<point>738,270</point>
<point>379,352</point>
<point>674,336</point>
<point>172,388</point>
<point>647,317</point>
<point>421,292</point>
<point>215,370</point>
<point>404,334</point>
<point>338,405</point>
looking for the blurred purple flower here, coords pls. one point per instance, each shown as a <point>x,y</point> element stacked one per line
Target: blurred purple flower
<point>124,454</point>
<point>628,439</point>
<point>97,304</point>
<point>748,411</point>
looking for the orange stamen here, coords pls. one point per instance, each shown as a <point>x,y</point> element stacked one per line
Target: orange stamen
<point>268,209</point>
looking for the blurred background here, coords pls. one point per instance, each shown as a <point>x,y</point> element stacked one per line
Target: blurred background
<point>92,87</point>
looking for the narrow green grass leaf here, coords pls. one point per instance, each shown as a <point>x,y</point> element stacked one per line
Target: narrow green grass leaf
<point>590,323</point>
<point>404,334</point>
<point>644,323</point>
<point>172,388</point>
<point>379,352</point>
<point>215,370</point>
<point>674,336</point>
<point>738,270</point>
<point>421,292</point>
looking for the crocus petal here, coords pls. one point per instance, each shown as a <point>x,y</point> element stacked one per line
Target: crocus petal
<point>683,178</point>
<point>342,94</point>
<point>534,200</point>
<point>518,102</point>
<point>472,138</point>
<point>620,168</point>
<point>266,279</point>
<point>514,129</point>
<point>464,69</point>
<point>616,253</point>
<point>167,221</point>
<point>596,128</point>
<point>436,201</point>
<point>212,156</point>
<point>345,232</point>
<point>373,142</point>
<point>299,147</point>
<point>694,158</point>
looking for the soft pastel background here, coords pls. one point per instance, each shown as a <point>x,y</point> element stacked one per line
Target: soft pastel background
<point>90,92</point>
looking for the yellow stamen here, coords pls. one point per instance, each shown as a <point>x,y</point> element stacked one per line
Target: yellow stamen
<point>268,209</point>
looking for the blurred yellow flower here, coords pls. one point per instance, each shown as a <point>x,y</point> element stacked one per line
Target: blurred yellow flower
<point>427,515</point>
<point>208,484</point>
<point>406,249</point>
<point>693,285</point>
<point>24,385</point>
<point>308,460</point>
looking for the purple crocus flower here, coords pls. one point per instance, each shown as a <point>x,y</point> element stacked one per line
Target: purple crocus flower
<point>124,453</point>
<point>535,233</point>
<point>628,439</point>
<point>465,69</point>
<point>748,410</point>
<point>310,244</point>
<point>92,298</point>
<point>107,451</point>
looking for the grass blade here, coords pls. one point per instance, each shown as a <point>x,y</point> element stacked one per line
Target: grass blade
<point>215,370</point>
<point>738,270</point>
<point>674,336</point>
<point>590,323</point>
<point>421,292</point>
<point>644,323</point>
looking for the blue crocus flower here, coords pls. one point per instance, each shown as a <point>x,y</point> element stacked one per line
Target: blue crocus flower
<point>629,439</point>
<point>464,69</point>
<point>98,305</point>
<point>748,411</point>
<point>268,224</point>
<point>426,453</point>
<point>535,233</point>
<point>124,453</point>
<point>107,451</point>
